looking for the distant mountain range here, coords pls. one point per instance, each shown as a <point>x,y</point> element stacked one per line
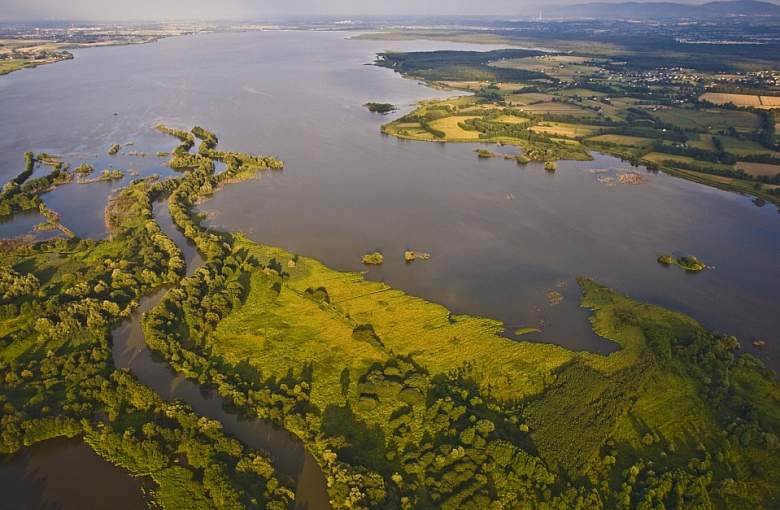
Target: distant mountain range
<point>661,10</point>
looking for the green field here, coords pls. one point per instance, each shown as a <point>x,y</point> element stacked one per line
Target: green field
<point>711,119</point>
<point>9,66</point>
<point>629,141</point>
<point>368,354</point>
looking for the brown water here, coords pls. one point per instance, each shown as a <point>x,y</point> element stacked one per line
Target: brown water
<point>65,474</point>
<point>501,236</point>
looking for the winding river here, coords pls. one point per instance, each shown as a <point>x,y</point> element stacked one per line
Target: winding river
<point>41,477</point>
<point>131,352</point>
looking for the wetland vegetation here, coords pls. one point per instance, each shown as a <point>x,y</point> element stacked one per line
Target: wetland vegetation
<point>402,403</point>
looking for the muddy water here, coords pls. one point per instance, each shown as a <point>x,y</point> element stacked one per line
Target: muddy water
<point>65,474</point>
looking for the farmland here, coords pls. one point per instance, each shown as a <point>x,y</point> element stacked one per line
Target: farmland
<point>569,104</point>
<point>746,100</point>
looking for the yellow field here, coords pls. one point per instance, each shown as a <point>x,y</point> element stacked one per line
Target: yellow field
<point>630,141</point>
<point>510,86</point>
<point>449,125</point>
<point>511,119</point>
<point>467,85</point>
<point>742,99</point>
<point>770,101</point>
<point>758,169</point>
<point>564,129</point>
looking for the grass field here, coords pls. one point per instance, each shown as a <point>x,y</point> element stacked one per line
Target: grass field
<point>556,108</point>
<point>712,119</point>
<point>579,92</point>
<point>290,329</point>
<point>511,119</point>
<point>703,142</point>
<point>464,85</point>
<point>563,67</point>
<point>565,130</point>
<point>629,141</point>
<point>365,347</point>
<point>662,158</point>
<point>527,98</point>
<point>450,126</point>
<point>9,66</point>
<point>758,169</point>
<point>739,147</point>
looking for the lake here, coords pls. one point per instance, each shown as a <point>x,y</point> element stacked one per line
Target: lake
<point>501,236</point>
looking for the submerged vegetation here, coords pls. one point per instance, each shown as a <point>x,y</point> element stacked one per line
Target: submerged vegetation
<point>402,403</point>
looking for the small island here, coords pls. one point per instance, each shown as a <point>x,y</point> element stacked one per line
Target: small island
<point>383,108</point>
<point>689,262</point>
<point>411,256</point>
<point>109,174</point>
<point>373,259</point>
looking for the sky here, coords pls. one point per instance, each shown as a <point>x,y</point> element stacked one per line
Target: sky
<point>256,9</point>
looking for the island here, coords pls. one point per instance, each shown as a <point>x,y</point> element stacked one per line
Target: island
<point>402,403</point>
<point>565,104</point>
<point>373,259</point>
<point>382,108</point>
<point>688,262</point>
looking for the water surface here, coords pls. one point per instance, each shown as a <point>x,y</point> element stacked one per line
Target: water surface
<point>501,236</point>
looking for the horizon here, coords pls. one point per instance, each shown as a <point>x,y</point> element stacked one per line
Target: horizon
<point>249,11</point>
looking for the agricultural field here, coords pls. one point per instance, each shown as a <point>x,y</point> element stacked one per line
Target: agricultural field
<point>557,108</point>
<point>662,157</point>
<point>526,99</point>
<point>452,130</point>
<point>629,141</point>
<point>565,130</point>
<point>709,120</point>
<point>742,147</point>
<point>562,67</point>
<point>749,100</point>
<point>639,122</point>
<point>759,169</point>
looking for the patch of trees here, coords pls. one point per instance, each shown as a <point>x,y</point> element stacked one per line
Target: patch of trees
<point>380,107</point>
<point>67,386</point>
<point>16,197</point>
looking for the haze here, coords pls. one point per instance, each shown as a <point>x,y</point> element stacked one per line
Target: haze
<point>255,9</point>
